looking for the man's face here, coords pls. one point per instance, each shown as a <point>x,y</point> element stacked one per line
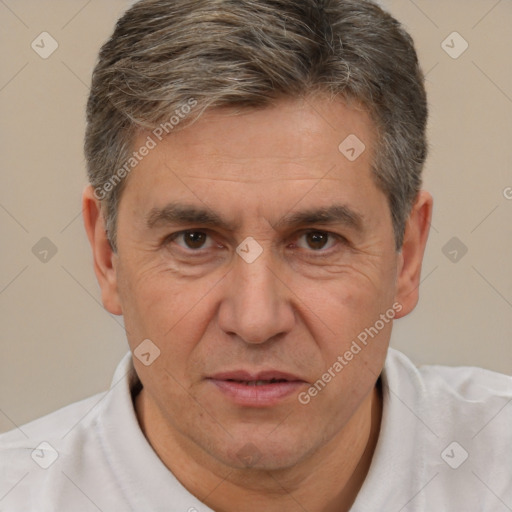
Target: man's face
<point>223,319</point>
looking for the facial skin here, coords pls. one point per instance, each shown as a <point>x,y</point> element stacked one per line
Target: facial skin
<point>295,309</point>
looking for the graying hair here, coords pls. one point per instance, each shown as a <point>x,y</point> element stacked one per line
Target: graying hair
<point>249,54</point>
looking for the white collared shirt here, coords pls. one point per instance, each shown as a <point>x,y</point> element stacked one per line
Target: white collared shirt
<point>445,445</point>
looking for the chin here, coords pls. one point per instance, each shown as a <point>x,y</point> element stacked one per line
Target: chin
<point>260,453</point>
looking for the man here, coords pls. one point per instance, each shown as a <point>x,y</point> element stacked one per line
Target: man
<point>255,214</point>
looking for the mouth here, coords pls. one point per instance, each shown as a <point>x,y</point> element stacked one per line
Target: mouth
<point>257,382</point>
<point>256,389</point>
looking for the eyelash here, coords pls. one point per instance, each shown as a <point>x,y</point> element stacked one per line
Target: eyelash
<point>196,252</point>
<point>200,252</point>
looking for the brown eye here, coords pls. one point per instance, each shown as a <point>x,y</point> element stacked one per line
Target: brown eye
<point>317,240</point>
<point>194,239</point>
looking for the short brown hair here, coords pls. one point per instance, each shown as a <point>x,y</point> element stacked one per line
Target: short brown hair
<point>165,54</point>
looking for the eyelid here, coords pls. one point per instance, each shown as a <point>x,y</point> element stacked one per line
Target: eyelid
<point>212,241</point>
<point>337,238</point>
<point>173,236</point>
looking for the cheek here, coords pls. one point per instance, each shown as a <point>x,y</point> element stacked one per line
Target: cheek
<point>352,301</point>
<point>171,312</point>
<point>353,344</point>
<point>174,320</point>
<point>351,321</point>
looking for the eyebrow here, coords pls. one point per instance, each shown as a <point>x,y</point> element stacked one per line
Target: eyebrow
<point>177,213</point>
<point>335,214</point>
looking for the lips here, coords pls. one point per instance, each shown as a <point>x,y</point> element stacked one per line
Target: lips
<point>258,382</point>
<point>256,389</point>
<point>262,376</point>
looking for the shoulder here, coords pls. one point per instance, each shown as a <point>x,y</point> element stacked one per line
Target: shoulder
<point>462,386</point>
<point>30,454</point>
<point>462,398</point>
<point>54,425</point>
<point>465,414</point>
<point>466,405</point>
<point>448,427</point>
<point>39,461</point>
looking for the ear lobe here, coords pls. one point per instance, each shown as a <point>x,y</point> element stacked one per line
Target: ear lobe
<point>413,249</point>
<point>103,254</point>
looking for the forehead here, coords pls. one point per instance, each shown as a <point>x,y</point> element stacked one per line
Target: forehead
<point>281,150</point>
<point>309,132</point>
<point>261,171</point>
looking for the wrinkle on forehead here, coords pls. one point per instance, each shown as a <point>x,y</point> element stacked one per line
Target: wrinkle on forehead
<point>291,133</point>
<point>267,162</point>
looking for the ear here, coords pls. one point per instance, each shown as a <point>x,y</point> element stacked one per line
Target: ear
<point>411,255</point>
<point>103,254</point>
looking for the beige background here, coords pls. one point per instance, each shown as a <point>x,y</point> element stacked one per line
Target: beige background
<point>58,344</point>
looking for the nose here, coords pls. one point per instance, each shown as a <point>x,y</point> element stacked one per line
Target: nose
<point>256,306</point>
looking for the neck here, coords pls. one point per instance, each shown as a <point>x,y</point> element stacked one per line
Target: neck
<point>328,481</point>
